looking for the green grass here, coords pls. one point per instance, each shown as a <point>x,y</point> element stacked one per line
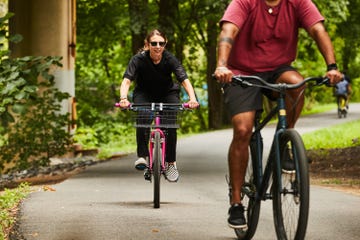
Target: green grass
<point>316,108</point>
<point>338,136</point>
<point>9,200</point>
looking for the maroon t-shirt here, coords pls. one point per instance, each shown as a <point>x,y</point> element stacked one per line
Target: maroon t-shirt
<point>267,38</point>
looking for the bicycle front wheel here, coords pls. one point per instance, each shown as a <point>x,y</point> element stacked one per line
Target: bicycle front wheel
<point>157,168</point>
<point>248,195</point>
<point>291,189</point>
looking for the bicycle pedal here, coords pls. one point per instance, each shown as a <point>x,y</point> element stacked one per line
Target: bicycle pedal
<point>147,175</point>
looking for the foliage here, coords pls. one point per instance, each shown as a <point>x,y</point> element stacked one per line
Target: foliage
<point>9,200</point>
<point>33,129</point>
<point>339,136</point>
<point>104,48</point>
<point>39,131</point>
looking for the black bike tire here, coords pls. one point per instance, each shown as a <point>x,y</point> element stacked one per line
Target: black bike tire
<point>280,217</point>
<point>157,169</point>
<point>251,204</point>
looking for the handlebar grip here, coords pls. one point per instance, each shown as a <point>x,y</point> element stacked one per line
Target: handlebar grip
<point>186,105</point>
<point>122,108</point>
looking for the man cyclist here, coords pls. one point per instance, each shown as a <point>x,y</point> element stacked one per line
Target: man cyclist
<point>343,90</point>
<point>259,37</point>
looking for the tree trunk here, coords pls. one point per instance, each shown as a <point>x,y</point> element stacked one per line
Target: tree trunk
<point>138,23</point>
<point>167,16</point>
<point>215,97</point>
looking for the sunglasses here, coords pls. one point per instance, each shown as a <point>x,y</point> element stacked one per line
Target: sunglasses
<point>154,44</point>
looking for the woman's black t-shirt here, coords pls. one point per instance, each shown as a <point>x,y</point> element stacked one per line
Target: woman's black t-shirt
<point>155,80</point>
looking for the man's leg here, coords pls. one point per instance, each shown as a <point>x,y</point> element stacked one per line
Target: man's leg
<point>238,161</point>
<point>239,152</point>
<point>295,98</point>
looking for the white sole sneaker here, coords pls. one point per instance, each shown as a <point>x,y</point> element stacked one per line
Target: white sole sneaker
<point>141,164</point>
<point>172,173</point>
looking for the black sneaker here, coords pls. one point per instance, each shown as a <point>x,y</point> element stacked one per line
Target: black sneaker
<point>147,175</point>
<point>236,216</point>
<point>287,164</point>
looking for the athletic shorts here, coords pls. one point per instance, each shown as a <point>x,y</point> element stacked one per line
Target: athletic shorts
<point>239,99</point>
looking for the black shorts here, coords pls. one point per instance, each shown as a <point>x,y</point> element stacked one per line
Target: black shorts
<point>239,99</point>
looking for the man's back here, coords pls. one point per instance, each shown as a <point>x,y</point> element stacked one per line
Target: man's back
<point>341,88</point>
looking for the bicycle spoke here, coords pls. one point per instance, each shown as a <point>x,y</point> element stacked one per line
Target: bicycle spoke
<point>291,194</point>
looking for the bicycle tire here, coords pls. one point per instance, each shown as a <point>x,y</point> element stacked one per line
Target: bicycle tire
<point>157,168</point>
<point>291,203</point>
<point>342,107</point>
<point>248,197</point>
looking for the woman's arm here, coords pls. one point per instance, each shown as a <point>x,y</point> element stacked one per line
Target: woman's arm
<point>124,89</point>
<point>190,91</point>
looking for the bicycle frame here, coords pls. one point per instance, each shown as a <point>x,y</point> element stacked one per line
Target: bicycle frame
<point>289,190</point>
<point>158,128</point>
<point>151,144</point>
<point>264,176</point>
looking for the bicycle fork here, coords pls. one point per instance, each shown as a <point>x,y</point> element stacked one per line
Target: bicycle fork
<point>163,146</point>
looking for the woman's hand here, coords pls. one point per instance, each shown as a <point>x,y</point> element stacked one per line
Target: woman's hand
<point>193,104</point>
<point>124,103</point>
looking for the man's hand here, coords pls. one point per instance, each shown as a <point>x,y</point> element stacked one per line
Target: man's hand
<point>334,76</point>
<point>223,75</point>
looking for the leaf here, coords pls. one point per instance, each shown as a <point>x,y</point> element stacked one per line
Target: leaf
<point>16,38</point>
<point>21,95</point>
<point>19,108</point>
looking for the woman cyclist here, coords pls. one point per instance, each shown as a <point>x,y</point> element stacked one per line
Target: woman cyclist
<point>151,70</point>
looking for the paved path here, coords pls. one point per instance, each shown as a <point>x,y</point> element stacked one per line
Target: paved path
<point>112,201</point>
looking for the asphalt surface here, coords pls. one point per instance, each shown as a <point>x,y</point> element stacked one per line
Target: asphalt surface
<point>111,200</point>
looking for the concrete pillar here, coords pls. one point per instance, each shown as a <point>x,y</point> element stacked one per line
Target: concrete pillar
<point>49,29</point>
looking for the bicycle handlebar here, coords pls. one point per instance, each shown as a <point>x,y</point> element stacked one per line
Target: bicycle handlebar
<point>244,82</point>
<point>155,106</point>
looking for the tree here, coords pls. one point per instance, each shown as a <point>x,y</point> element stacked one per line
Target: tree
<point>104,47</point>
<point>139,18</point>
<point>349,30</point>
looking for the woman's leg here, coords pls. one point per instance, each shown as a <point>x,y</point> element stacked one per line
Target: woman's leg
<point>171,139</point>
<point>142,134</point>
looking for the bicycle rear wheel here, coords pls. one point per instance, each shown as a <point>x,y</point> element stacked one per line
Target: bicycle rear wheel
<point>342,107</point>
<point>157,168</point>
<point>248,197</point>
<point>291,194</point>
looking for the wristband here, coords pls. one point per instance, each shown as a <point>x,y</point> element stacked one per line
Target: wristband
<point>332,66</point>
<point>123,98</point>
<point>221,68</point>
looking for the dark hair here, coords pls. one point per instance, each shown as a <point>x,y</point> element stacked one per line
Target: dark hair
<point>154,33</point>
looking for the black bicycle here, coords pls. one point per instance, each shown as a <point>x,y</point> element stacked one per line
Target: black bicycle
<point>288,189</point>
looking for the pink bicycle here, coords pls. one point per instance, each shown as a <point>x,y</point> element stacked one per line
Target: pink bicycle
<point>159,117</point>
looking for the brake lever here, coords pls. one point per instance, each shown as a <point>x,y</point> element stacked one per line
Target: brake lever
<point>325,81</point>
<point>242,82</point>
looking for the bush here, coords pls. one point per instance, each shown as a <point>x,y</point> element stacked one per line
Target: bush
<point>32,127</point>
